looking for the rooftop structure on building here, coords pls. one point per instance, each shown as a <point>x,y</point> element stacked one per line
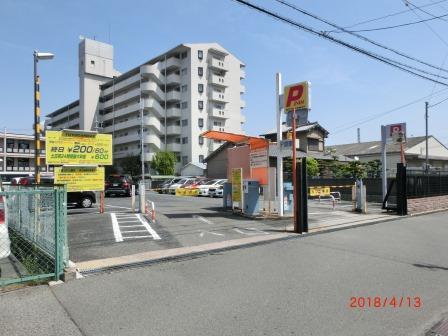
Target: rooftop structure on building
<point>181,93</point>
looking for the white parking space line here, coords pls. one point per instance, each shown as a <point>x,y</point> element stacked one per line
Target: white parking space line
<point>116,206</point>
<point>127,226</point>
<point>149,228</point>
<point>116,228</point>
<point>133,231</point>
<point>202,219</point>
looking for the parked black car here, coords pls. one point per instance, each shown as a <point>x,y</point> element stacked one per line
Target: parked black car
<point>82,199</point>
<point>119,185</point>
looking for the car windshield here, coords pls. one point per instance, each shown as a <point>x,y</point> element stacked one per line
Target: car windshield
<point>115,179</point>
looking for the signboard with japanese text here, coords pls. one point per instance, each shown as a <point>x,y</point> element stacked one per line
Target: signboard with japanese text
<point>396,133</point>
<point>237,184</point>
<point>296,97</point>
<point>80,178</point>
<point>65,147</point>
<point>258,158</point>
<point>320,191</point>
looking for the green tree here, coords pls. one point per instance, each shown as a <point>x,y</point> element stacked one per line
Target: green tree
<point>132,165</point>
<point>374,168</point>
<point>312,167</point>
<point>355,169</point>
<point>163,163</point>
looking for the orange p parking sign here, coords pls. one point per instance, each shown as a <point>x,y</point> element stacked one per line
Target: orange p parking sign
<point>296,96</point>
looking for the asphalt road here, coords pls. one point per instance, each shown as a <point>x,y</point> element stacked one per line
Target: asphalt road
<point>296,287</point>
<point>181,222</point>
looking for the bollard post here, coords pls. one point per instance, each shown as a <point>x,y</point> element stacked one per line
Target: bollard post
<point>133,198</point>
<point>101,202</point>
<point>141,194</point>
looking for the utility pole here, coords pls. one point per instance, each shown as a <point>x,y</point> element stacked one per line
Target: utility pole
<point>359,135</point>
<point>426,138</point>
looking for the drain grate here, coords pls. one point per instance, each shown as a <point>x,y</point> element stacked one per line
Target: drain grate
<point>440,329</point>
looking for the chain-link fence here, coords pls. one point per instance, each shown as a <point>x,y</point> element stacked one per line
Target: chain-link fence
<point>33,233</point>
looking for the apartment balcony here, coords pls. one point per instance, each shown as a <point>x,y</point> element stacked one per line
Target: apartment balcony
<point>242,89</point>
<point>217,113</point>
<point>173,112</point>
<point>149,121</point>
<point>172,79</point>
<point>154,90</point>
<point>217,96</point>
<point>174,147</point>
<point>243,103</point>
<point>126,139</point>
<point>152,71</point>
<point>242,74</point>
<point>173,130</point>
<point>121,85</point>
<point>218,80</point>
<point>153,139</point>
<point>171,63</point>
<point>135,93</point>
<point>153,105</point>
<point>122,112</point>
<point>217,64</point>
<point>173,96</point>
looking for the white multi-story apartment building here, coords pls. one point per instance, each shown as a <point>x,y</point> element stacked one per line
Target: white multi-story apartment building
<point>181,93</point>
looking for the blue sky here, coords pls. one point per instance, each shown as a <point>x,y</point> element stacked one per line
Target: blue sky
<point>346,86</point>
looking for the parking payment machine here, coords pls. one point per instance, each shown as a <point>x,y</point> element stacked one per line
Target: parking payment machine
<point>251,191</point>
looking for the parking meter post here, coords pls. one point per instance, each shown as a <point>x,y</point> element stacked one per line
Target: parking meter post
<point>133,198</point>
<point>141,194</point>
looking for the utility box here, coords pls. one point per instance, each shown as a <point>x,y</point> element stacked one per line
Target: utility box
<point>288,198</point>
<point>251,199</point>
<point>227,195</point>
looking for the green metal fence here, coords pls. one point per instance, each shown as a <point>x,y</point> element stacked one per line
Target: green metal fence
<point>34,244</point>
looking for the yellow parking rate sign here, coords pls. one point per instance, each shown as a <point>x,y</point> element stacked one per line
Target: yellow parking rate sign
<point>80,178</point>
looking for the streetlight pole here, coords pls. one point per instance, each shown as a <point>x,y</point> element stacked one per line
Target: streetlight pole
<point>37,129</point>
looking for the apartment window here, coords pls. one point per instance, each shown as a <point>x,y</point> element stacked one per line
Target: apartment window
<point>184,160</point>
<point>184,88</point>
<point>23,162</point>
<point>217,123</point>
<point>200,71</point>
<point>200,54</point>
<point>183,55</point>
<point>92,62</point>
<point>200,104</point>
<point>183,72</point>
<point>184,140</point>
<point>201,122</point>
<point>201,158</point>
<point>177,123</point>
<point>184,105</point>
<point>177,140</point>
<point>201,140</point>
<point>201,88</point>
<point>177,158</point>
<point>184,122</point>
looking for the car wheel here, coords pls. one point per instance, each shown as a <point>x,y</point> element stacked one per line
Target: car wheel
<point>86,202</point>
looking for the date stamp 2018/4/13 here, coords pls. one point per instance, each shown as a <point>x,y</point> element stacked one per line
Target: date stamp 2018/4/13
<point>362,302</point>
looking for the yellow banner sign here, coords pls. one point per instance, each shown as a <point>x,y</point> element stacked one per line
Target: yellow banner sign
<point>80,178</point>
<point>296,96</point>
<point>319,191</point>
<point>65,147</point>
<point>237,184</point>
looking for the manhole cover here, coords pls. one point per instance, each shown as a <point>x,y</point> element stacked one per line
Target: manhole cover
<point>440,329</point>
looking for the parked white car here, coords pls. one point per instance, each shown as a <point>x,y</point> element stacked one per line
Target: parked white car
<point>204,189</point>
<point>181,184</point>
<point>5,243</point>
<point>217,190</point>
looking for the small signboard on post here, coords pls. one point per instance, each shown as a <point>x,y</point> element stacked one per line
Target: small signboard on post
<point>258,158</point>
<point>296,97</point>
<point>237,185</point>
<point>80,178</point>
<point>396,133</point>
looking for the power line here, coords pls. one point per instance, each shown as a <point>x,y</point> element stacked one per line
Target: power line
<point>377,57</point>
<point>348,126</point>
<point>407,2</point>
<point>390,15</point>
<point>387,27</point>
<point>440,102</point>
<point>314,16</point>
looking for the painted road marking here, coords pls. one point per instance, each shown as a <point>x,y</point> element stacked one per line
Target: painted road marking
<point>141,226</point>
<point>116,206</point>
<point>254,233</point>
<point>116,228</point>
<point>212,233</point>
<point>202,219</point>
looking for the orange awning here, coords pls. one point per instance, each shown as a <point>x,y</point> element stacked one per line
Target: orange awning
<point>254,142</point>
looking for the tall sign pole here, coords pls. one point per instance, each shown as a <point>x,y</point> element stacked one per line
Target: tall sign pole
<point>278,107</point>
<point>36,122</point>
<point>426,138</point>
<point>383,162</point>
<point>294,161</point>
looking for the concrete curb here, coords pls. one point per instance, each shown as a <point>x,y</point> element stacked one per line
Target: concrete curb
<point>99,266</point>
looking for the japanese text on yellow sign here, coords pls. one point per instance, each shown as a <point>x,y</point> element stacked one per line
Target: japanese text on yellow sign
<point>65,147</point>
<point>296,96</point>
<point>319,191</point>
<point>237,184</point>
<point>80,178</point>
